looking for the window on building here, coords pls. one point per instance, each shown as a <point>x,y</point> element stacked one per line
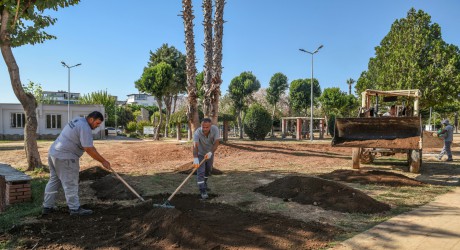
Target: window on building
<point>53,121</point>
<point>18,120</point>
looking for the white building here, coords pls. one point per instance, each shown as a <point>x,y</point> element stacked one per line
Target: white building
<point>61,97</point>
<point>51,120</point>
<point>141,99</point>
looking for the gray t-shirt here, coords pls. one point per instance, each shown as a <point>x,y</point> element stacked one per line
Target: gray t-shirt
<point>205,143</point>
<point>74,137</point>
<point>449,134</point>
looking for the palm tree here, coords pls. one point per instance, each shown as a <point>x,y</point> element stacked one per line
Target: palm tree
<point>192,110</point>
<point>207,23</point>
<point>350,82</point>
<point>216,81</point>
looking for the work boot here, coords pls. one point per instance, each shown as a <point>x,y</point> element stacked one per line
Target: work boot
<point>48,210</point>
<point>439,157</point>
<point>81,211</point>
<point>204,195</point>
<point>450,160</point>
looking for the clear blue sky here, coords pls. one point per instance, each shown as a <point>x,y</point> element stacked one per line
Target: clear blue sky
<point>112,40</point>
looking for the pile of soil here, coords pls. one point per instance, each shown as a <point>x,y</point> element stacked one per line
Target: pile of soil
<point>93,173</point>
<point>372,177</point>
<point>326,194</point>
<point>188,167</point>
<point>193,224</point>
<point>111,188</point>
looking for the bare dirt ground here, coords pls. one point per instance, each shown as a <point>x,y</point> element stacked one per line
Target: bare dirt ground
<point>235,217</point>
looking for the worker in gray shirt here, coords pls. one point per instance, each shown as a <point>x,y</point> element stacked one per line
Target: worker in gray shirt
<point>64,162</point>
<point>205,142</point>
<point>448,134</point>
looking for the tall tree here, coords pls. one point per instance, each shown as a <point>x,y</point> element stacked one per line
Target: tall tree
<point>207,72</point>
<point>218,27</point>
<point>240,89</point>
<point>192,109</point>
<point>350,82</point>
<point>37,90</point>
<point>173,57</point>
<point>278,84</point>
<point>156,81</point>
<point>299,94</point>
<point>413,55</point>
<point>22,22</point>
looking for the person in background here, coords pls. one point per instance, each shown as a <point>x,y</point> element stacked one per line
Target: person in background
<point>205,142</point>
<point>391,112</point>
<point>447,133</point>
<point>64,162</point>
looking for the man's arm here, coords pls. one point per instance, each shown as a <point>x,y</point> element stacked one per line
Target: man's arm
<point>195,149</point>
<point>96,156</point>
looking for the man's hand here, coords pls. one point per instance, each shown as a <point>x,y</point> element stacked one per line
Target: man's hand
<point>208,156</point>
<point>106,165</point>
<point>196,163</point>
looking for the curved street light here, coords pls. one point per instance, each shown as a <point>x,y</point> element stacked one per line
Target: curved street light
<point>311,91</point>
<point>68,87</point>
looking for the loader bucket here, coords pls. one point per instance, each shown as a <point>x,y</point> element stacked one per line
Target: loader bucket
<point>378,132</point>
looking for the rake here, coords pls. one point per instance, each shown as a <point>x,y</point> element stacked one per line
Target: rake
<point>167,203</point>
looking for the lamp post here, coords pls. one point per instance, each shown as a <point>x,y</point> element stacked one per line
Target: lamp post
<point>68,87</point>
<point>311,91</point>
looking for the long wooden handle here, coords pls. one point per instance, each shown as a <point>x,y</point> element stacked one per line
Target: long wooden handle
<point>179,187</point>
<point>128,186</point>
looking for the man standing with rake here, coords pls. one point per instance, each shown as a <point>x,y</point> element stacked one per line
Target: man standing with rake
<point>205,142</point>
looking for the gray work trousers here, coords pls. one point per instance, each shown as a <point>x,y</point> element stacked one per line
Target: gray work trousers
<point>63,172</point>
<point>446,150</point>
<point>203,172</point>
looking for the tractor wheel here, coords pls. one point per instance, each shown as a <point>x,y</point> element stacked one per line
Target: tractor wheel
<point>415,161</point>
<point>355,155</point>
<point>366,156</point>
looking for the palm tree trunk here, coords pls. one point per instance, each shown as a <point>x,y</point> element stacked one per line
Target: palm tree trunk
<point>208,63</point>
<point>218,27</point>
<point>273,117</point>
<point>168,102</point>
<point>157,131</point>
<point>192,109</point>
<point>27,100</point>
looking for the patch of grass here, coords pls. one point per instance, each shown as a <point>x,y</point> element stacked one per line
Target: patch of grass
<point>16,212</point>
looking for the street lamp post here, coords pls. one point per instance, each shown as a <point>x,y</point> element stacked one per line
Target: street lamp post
<point>311,90</point>
<point>68,87</point>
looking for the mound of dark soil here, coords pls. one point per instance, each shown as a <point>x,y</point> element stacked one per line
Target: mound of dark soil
<point>372,177</point>
<point>326,194</point>
<point>193,224</point>
<point>111,188</point>
<point>93,173</point>
<point>188,167</point>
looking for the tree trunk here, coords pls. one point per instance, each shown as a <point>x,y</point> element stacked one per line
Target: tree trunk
<point>240,124</point>
<point>192,109</point>
<point>273,117</point>
<point>174,106</point>
<point>168,103</point>
<point>208,63</point>
<point>218,27</point>
<point>157,131</point>
<point>27,100</point>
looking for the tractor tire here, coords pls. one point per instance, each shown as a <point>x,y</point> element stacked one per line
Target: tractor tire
<point>366,157</point>
<point>355,156</point>
<point>415,161</point>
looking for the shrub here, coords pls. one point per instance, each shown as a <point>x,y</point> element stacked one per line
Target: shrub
<point>141,124</point>
<point>257,123</point>
<point>131,127</point>
<point>331,124</point>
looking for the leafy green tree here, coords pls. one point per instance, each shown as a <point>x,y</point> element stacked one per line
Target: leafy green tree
<point>199,85</point>
<point>101,97</point>
<point>278,84</point>
<point>22,23</point>
<point>240,89</point>
<point>299,94</point>
<point>173,57</point>
<point>350,83</point>
<point>156,81</point>
<point>413,55</point>
<point>124,115</point>
<point>337,102</point>
<point>257,122</point>
<point>37,90</point>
